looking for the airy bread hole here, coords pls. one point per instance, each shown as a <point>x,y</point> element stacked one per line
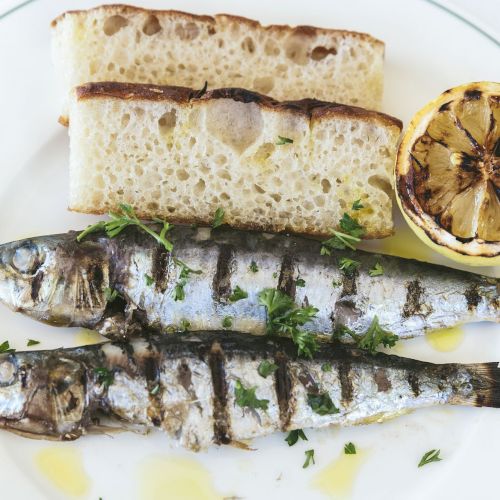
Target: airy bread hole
<point>259,189</point>
<point>188,31</point>
<point>319,53</point>
<point>271,48</point>
<point>151,26</point>
<point>264,151</point>
<point>114,24</point>
<point>264,84</point>
<point>326,186</point>
<point>248,45</point>
<point>199,187</point>
<point>235,124</point>
<point>125,119</point>
<point>380,183</point>
<point>182,175</point>
<point>167,121</point>
<point>296,49</point>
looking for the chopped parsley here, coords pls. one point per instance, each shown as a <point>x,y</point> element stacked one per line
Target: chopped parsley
<point>227,322</point>
<point>238,294</point>
<point>275,274</point>
<point>266,367</point>
<point>246,398</point>
<point>351,233</point>
<point>300,282</point>
<point>124,218</point>
<point>253,267</point>
<point>349,266</point>
<point>110,294</point>
<point>32,342</point>
<point>430,456</point>
<point>154,391</point>
<point>104,376</point>
<point>5,348</point>
<point>149,279</point>
<point>218,218</point>
<point>293,436</point>
<point>322,404</point>
<point>357,205</point>
<point>326,367</point>
<point>185,325</point>
<point>372,338</point>
<point>309,459</point>
<point>350,449</point>
<point>378,270</point>
<point>283,140</point>
<point>285,318</point>
<point>336,283</point>
<point>186,271</point>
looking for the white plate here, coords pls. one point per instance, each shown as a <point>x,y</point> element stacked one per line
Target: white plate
<point>428,51</point>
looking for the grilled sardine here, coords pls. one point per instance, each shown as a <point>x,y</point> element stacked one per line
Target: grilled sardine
<point>205,389</point>
<point>57,280</point>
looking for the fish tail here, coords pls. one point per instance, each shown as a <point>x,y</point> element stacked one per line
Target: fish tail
<point>485,382</point>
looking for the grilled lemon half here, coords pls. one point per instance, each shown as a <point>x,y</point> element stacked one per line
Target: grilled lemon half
<point>448,174</point>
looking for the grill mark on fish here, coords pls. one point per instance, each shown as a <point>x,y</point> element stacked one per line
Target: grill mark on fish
<point>349,283</point>
<point>184,376</point>
<point>283,388</point>
<point>414,383</point>
<point>222,431</point>
<point>472,297</point>
<point>95,280</point>
<point>286,281</point>
<point>36,284</point>
<point>151,370</point>
<point>222,278</point>
<point>160,269</point>
<point>414,295</point>
<point>382,381</point>
<point>346,388</point>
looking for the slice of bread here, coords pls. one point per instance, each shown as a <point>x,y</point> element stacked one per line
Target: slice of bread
<point>181,154</point>
<point>129,44</point>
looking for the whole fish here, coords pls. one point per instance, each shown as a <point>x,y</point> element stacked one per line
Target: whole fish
<point>123,285</point>
<point>212,388</point>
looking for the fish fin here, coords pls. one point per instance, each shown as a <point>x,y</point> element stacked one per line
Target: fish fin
<point>486,385</point>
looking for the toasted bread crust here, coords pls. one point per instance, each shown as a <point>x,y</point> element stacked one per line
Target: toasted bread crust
<point>222,18</point>
<point>311,108</point>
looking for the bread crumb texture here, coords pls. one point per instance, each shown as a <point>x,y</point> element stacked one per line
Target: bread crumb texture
<point>183,158</point>
<point>127,44</point>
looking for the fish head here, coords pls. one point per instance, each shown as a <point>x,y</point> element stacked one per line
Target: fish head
<point>42,394</point>
<point>55,279</point>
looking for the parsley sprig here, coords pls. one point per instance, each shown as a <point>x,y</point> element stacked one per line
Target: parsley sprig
<point>285,318</point>
<point>350,449</point>
<point>372,338</point>
<point>309,459</point>
<point>430,456</point>
<point>266,367</point>
<point>377,270</point>
<point>246,398</point>
<point>322,404</point>
<point>348,265</point>
<point>104,376</point>
<point>126,217</point>
<point>238,294</point>
<point>283,140</point>
<point>186,271</point>
<point>218,218</point>
<point>347,238</point>
<point>5,348</point>
<point>293,436</point>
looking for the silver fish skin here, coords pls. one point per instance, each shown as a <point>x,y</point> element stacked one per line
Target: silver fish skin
<point>187,385</point>
<point>59,281</point>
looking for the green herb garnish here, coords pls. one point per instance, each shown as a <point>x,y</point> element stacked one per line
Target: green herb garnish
<point>322,404</point>
<point>275,274</point>
<point>351,233</point>
<point>284,317</point>
<point>253,267</point>
<point>227,322</point>
<point>186,271</point>
<point>350,449</point>
<point>283,140</point>
<point>349,266</point>
<point>326,367</point>
<point>218,218</point>
<point>238,294</point>
<point>266,368</point>
<point>104,376</point>
<point>154,391</point>
<point>430,456</point>
<point>185,325</point>
<point>300,282</point>
<point>336,283</point>
<point>126,217</point>
<point>32,342</point>
<point>357,205</point>
<point>372,338</point>
<point>110,294</point>
<point>5,348</point>
<point>246,398</point>
<point>149,280</point>
<point>378,270</point>
<point>293,437</point>
<point>309,459</point>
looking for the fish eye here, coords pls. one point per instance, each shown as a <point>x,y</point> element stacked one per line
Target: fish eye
<point>26,259</point>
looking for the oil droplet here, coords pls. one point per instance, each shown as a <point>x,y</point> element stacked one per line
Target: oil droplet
<point>182,479</point>
<point>337,479</point>
<point>87,337</point>
<point>63,467</point>
<point>445,340</point>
